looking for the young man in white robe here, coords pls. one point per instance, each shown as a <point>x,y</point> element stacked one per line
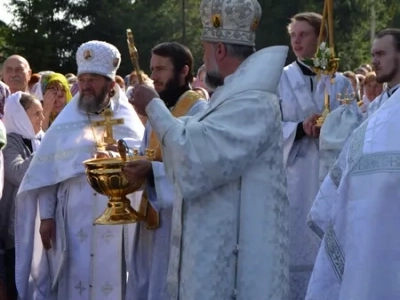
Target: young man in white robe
<point>302,102</point>
<point>68,257</point>
<point>230,215</point>
<point>359,257</point>
<point>171,68</point>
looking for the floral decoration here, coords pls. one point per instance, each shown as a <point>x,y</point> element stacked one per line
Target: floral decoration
<point>324,60</point>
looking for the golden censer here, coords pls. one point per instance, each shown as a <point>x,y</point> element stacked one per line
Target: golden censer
<point>105,176</point>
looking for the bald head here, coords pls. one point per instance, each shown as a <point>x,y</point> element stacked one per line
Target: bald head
<point>16,73</point>
<point>17,58</point>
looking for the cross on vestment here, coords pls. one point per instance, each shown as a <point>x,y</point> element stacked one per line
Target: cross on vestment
<point>108,123</point>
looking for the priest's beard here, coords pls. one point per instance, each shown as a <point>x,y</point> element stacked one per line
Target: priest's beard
<point>213,79</point>
<point>94,103</point>
<point>391,75</point>
<point>171,85</point>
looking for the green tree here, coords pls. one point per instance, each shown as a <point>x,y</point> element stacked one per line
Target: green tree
<point>352,20</point>
<point>151,22</point>
<point>48,32</point>
<point>40,33</point>
<point>158,21</point>
<point>4,30</point>
<point>101,20</point>
<point>274,21</point>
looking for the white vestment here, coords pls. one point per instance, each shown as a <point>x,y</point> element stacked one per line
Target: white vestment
<point>359,258</point>
<point>374,105</point>
<point>86,261</point>
<point>230,216</point>
<point>320,212</point>
<point>150,253</point>
<point>302,162</point>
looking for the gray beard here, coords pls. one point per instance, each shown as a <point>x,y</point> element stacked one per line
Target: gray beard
<point>94,104</point>
<point>213,81</point>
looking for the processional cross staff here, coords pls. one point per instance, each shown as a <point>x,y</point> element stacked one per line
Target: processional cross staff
<point>326,55</point>
<point>134,55</point>
<point>150,215</point>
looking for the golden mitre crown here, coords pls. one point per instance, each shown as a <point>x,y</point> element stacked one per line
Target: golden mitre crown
<point>230,21</point>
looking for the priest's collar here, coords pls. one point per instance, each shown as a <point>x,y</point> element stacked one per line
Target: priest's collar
<point>391,90</point>
<point>304,68</point>
<point>171,95</point>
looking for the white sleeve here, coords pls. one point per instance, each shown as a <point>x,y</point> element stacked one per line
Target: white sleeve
<point>47,201</point>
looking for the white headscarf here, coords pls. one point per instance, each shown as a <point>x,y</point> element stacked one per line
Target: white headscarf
<point>16,120</point>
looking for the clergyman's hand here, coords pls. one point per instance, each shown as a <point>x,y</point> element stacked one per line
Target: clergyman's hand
<point>143,95</point>
<point>138,169</point>
<point>47,232</point>
<point>310,127</point>
<point>101,154</point>
<point>113,148</point>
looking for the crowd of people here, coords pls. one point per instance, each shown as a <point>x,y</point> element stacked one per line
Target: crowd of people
<point>243,197</point>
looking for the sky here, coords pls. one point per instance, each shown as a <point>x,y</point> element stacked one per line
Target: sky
<point>4,15</point>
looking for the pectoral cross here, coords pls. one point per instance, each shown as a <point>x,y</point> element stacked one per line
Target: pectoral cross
<point>108,123</point>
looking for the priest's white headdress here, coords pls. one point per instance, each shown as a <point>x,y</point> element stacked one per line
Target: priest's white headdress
<point>99,58</point>
<point>230,21</point>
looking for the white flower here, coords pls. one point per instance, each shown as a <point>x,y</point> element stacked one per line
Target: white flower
<point>316,62</point>
<point>324,62</point>
<point>328,52</point>
<point>322,47</point>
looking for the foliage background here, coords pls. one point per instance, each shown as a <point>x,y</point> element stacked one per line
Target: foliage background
<point>48,32</point>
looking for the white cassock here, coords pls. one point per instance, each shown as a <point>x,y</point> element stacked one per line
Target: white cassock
<point>150,253</point>
<point>372,107</point>
<point>321,210</point>
<point>359,258</point>
<point>86,261</point>
<point>230,216</point>
<point>302,162</point>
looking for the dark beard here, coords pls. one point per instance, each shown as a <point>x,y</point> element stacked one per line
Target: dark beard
<point>95,103</point>
<point>171,85</point>
<point>173,90</point>
<point>389,77</point>
<point>213,80</point>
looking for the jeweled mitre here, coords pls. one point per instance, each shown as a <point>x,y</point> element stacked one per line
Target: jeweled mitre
<point>230,21</point>
<point>99,58</point>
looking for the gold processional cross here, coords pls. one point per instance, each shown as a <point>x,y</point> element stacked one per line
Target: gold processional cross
<point>108,123</point>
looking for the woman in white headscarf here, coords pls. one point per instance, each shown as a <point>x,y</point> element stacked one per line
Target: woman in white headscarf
<point>23,117</point>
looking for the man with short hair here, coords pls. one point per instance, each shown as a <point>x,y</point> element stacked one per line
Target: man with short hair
<point>359,257</point>
<point>17,73</point>
<point>81,260</point>
<point>171,68</point>
<point>302,102</point>
<point>230,216</point>
<point>384,74</point>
